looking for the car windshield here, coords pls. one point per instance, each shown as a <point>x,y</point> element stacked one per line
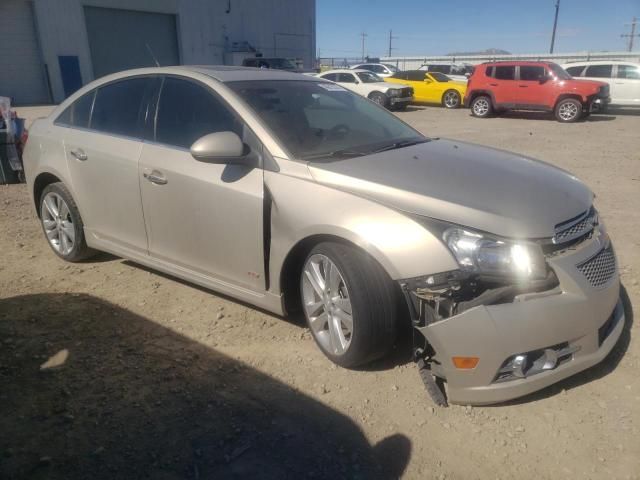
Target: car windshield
<point>439,77</point>
<point>322,120</point>
<point>369,77</point>
<point>559,72</point>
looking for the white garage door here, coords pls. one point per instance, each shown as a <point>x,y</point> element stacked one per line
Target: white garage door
<point>122,39</point>
<point>21,68</point>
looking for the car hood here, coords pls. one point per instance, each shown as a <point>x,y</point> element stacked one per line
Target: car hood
<point>465,184</point>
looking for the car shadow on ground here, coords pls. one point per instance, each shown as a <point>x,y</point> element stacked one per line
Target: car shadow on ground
<point>633,111</point>
<point>596,372</point>
<point>132,399</point>
<point>545,116</point>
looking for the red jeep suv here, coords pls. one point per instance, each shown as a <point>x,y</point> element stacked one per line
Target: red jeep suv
<point>543,86</point>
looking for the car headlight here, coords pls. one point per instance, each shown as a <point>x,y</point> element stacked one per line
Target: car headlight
<point>393,92</point>
<point>478,253</point>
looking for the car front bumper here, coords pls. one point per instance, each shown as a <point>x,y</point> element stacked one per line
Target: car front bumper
<point>584,319</point>
<point>400,100</point>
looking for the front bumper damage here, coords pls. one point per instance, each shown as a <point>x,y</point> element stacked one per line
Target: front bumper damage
<point>562,331</point>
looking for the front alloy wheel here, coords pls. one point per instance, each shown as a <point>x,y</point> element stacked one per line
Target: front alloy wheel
<point>327,304</point>
<point>568,110</point>
<point>349,302</point>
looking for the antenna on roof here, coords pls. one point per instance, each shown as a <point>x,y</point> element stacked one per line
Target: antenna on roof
<point>155,60</point>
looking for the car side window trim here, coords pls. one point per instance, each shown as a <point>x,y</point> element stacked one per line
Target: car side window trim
<point>94,92</point>
<point>155,103</point>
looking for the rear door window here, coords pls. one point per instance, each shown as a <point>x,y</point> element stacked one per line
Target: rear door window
<point>630,72</point>
<point>505,72</point>
<point>117,107</point>
<point>188,111</point>
<point>531,73</point>
<point>346,78</point>
<point>599,71</point>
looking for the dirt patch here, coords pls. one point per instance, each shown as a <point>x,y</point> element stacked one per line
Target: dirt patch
<point>167,380</point>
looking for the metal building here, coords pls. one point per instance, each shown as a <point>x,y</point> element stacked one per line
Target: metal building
<point>49,48</point>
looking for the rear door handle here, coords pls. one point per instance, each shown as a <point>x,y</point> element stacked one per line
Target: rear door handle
<point>524,86</point>
<point>493,84</point>
<point>155,177</point>
<point>79,154</point>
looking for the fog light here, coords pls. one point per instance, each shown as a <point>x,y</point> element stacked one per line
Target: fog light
<point>465,363</point>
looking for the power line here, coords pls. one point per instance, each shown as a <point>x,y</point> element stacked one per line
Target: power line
<point>555,25</point>
<point>633,33</point>
<point>391,38</point>
<point>363,35</point>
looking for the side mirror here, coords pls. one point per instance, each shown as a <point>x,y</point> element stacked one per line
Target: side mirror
<point>220,147</point>
<point>543,79</point>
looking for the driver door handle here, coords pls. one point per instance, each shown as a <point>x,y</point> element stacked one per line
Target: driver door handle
<point>155,177</point>
<point>79,154</point>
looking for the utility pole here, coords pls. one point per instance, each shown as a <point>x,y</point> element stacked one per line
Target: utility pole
<point>363,35</point>
<point>633,33</point>
<point>391,38</point>
<point>555,25</point>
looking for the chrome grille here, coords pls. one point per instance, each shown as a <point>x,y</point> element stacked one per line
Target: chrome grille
<point>407,92</point>
<point>600,268</point>
<point>576,227</point>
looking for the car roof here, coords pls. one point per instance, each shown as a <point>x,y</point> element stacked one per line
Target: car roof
<point>578,63</point>
<point>346,70</point>
<point>222,73</point>
<point>519,62</point>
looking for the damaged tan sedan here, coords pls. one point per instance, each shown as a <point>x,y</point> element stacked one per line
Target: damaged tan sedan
<point>290,192</point>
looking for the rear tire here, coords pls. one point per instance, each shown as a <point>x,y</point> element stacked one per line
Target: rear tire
<point>62,224</point>
<point>349,303</point>
<point>451,99</point>
<point>481,106</point>
<point>379,98</point>
<point>568,110</point>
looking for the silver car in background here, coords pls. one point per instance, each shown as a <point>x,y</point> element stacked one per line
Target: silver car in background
<point>293,194</point>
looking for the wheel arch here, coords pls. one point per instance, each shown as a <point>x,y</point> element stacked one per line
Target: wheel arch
<point>477,93</point>
<point>41,182</point>
<point>564,96</point>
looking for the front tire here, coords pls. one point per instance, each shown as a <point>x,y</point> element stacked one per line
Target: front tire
<point>380,98</point>
<point>481,106</point>
<point>568,110</point>
<point>451,99</point>
<point>62,224</point>
<point>349,303</point>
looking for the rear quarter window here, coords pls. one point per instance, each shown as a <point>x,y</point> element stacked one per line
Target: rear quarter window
<point>78,113</point>
<point>505,72</point>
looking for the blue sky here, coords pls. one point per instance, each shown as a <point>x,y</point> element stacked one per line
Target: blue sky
<point>439,27</point>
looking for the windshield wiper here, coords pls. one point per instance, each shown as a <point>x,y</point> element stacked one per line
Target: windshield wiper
<point>335,154</point>
<point>401,144</point>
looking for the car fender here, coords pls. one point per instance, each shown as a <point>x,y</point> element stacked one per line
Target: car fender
<point>302,208</point>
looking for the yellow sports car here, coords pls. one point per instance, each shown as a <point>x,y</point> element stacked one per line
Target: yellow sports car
<point>431,87</point>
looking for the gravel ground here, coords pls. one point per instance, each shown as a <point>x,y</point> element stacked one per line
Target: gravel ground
<point>161,379</point>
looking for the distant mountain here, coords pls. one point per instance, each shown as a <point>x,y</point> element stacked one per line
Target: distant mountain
<point>488,51</point>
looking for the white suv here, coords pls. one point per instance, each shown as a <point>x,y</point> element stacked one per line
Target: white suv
<point>381,69</point>
<point>455,71</point>
<point>622,77</point>
<point>370,85</point>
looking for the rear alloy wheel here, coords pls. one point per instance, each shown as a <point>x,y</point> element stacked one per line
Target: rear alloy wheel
<point>349,304</point>
<point>451,99</point>
<point>380,98</point>
<point>62,224</point>
<point>481,106</point>
<point>568,110</point>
